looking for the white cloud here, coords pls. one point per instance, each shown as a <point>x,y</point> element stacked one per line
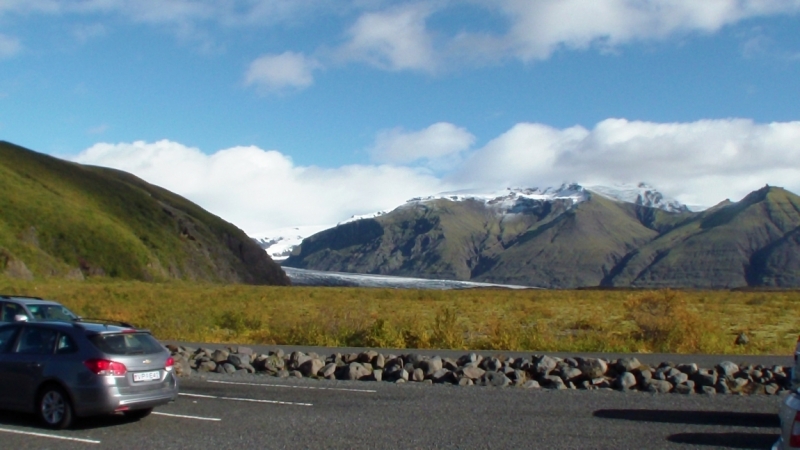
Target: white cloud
<point>9,46</point>
<point>233,12</point>
<point>288,70</point>
<point>84,33</point>
<point>538,28</point>
<point>260,190</point>
<point>440,140</point>
<point>394,39</point>
<point>398,36</point>
<point>699,162</point>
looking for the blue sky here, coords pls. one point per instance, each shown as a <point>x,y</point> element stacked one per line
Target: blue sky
<point>356,105</point>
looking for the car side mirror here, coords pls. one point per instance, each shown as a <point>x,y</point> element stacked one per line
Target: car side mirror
<point>20,318</point>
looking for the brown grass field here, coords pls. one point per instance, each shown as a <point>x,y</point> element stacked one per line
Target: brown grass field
<point>683,321</point>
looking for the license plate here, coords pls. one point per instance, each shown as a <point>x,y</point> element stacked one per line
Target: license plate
<point>147,376</point>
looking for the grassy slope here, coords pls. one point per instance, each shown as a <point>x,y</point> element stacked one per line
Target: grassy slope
<point>721,247</point>
<point>599,242</point>
<point>59,216</point>
<point>464,240</point>
<point>578,248</point>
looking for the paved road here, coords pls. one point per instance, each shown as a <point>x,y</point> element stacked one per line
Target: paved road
<point>266,412</point>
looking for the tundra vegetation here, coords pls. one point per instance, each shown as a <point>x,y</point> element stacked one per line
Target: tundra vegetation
<point>687,321</point>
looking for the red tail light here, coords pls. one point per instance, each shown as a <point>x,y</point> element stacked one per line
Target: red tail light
<point>106,367</point>
<point>170,362</point>
<point>794,439</point>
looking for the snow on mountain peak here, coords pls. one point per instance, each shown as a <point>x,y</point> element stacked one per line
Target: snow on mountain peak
<point>639,194</point>
<point>510,199</point>
<point>280,243</point>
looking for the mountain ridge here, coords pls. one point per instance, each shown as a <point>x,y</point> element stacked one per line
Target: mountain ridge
<point>558,242</point>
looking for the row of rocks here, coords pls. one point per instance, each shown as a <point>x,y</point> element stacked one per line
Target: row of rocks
<point>538,371</point>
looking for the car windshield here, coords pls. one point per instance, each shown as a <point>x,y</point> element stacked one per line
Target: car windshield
<point>126,344</point>
<point>51,312</point>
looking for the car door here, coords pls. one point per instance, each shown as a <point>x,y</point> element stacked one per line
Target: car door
<point>25,364</point>
<point>8,335</point>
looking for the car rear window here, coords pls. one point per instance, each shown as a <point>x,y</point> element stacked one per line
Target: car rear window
<point>126,344</point>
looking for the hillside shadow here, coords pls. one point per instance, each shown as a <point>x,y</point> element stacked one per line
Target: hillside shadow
<point>723,418</point>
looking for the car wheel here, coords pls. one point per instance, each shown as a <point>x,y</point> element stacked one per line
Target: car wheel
<point>137,414</point>
<point>54,408</point>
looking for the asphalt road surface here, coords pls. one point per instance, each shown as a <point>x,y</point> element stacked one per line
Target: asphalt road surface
<point>253,411</point>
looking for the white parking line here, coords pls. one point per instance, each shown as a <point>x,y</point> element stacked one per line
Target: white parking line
<point>51,436</point>
<point>213,419</point>
<point>274,402</point>
<point>293,387</point>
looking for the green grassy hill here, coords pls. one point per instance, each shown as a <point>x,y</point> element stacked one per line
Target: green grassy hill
<point>749,243</point>
<point>754,242</point>
<point>61,219</point>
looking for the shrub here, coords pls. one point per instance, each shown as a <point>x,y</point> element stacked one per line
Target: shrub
<point>446,332</point>
<point>237,322</point>
<point>664,323</point>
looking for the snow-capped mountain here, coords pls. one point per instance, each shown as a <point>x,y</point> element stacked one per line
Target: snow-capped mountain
<point>512,200</point>
<point>639,194</point>
<point>279,243</point>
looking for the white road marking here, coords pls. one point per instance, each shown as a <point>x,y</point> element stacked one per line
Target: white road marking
<point>51,436</point>
<point>274,402</point>
<point>213,419</point>
<point>293,387</point>
<point>197,395</point>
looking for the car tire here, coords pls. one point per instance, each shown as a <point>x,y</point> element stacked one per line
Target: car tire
<point>138,414</point>
<point>54,408</point>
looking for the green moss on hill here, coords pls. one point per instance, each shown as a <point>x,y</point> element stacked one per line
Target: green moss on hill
<point>59,218</point>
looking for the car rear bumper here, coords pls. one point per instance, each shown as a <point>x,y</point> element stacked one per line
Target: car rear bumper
<point>111,398</point>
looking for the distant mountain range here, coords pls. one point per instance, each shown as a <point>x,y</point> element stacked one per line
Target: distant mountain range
<point>61,219</point>
<point>571,236</point>
<point>280,243</point>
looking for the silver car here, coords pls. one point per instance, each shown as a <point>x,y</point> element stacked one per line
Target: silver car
<point>790,423</point>
<point>62,370</point>
<point>13,307</point>
<point>790,410</point>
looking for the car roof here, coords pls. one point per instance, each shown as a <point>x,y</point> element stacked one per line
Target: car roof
<point>28,300</point>
<point>99,327</point>
<point>88,327</point>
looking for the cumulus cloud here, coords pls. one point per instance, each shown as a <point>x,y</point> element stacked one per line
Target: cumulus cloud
<point>699,163</point>
<point>394,39</point>
<point>233,12</point>
<point>9,46</point>
<point>288,70</point>
<point>539,28</point>
<point>438,141</point>
<point>261,190</point>
<point>398,36</point>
